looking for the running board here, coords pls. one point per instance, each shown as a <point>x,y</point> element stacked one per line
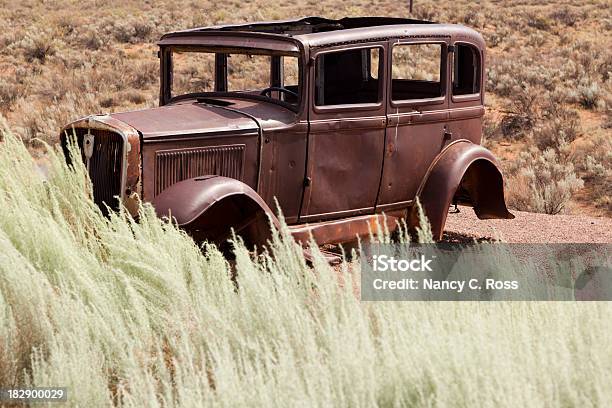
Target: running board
<point>343,230</point>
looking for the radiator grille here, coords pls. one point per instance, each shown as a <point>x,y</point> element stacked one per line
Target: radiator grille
<point>104,166</point>
<point>172,166</point>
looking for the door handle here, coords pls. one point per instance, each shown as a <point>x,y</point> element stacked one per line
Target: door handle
<point>447,134</point>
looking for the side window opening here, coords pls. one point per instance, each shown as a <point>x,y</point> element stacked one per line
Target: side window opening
<point>348,77</point>
<point>466,70</point>
<point>416,71</point>
<point>290,78</point>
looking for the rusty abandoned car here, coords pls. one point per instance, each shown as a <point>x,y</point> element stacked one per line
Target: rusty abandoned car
<point>339,121</point>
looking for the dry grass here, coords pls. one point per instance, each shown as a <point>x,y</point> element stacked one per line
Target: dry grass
<point>58,62</point>
<point>135,315</point>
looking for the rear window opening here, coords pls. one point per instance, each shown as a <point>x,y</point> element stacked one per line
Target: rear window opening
<point>417,71</point>
<point>466,70</point>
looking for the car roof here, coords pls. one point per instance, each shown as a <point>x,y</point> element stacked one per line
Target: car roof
<point>316,32</point>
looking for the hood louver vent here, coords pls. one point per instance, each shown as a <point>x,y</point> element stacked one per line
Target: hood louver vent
<point>172,166</point>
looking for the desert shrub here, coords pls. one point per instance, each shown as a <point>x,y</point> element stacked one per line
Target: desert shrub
<point>605,68</point>
<point>108,101</point>
<point>585,55</point>
<point>143,74</point>
<point>522,113</point>
<point>578,70</point>
<point>536,39</point>
<point>473,17</point>
<point>131,30</point>
<point>594,163</point>
<point>93,40</point>
<point>598,168</point>
<point>66,26</point>
<point>599,175</point>
<point>122,31</point>
<point>52,86</point>
<point>515,127</point>
<point>557,129</point>
<point>8,38</point>
<point>142,30</point>
<point>490,130</point>
<point>499,82</point>
<point>588,94</point>
<point>37,46</point>
<point>541,182</point>
<point>564,39</point>
<point>533,110</point>
<point>537,21</point>
<point>607,121</point>
<point>426,12</point>
<point>511,76</point>
<point>9,92</point>
<point>565,16</point>
<point>46,123</point>
<point>494,39</point>
<point>135,96</point>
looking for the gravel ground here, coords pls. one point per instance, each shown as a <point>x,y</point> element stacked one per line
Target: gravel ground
<point>528,228</point>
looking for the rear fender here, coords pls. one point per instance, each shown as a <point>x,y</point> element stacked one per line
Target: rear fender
<point>465,173</point>
<point>208,207</point>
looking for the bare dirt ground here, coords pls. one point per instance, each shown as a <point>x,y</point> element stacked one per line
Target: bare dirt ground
<point>528,227</point>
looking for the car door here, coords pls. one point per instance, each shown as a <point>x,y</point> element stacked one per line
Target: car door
<point>347,132</point>
<point>467,97</point>
<point>417,115</point>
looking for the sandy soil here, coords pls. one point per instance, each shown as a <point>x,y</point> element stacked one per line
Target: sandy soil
<point>529,227</point>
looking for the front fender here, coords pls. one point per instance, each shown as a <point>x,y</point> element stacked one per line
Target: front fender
<point>208,207</point>
<point>472,167</point>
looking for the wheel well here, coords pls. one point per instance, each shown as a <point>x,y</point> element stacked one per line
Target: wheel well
<point>482,187</point>
<point>238,212</point>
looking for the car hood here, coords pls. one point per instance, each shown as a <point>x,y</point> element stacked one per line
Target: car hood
<point>187,119</point>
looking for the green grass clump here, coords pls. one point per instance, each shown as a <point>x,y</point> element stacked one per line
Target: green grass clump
<point>135,314</point>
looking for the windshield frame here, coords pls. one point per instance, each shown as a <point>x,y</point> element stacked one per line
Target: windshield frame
<point>166,67</point>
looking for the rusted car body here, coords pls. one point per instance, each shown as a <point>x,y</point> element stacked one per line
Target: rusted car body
<point>351,136</point>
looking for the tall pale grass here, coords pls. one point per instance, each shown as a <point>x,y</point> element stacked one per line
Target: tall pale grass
<point>134,314</point>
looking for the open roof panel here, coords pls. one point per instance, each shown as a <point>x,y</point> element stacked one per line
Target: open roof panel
<point>310,25</point>
<point>312,32</point>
